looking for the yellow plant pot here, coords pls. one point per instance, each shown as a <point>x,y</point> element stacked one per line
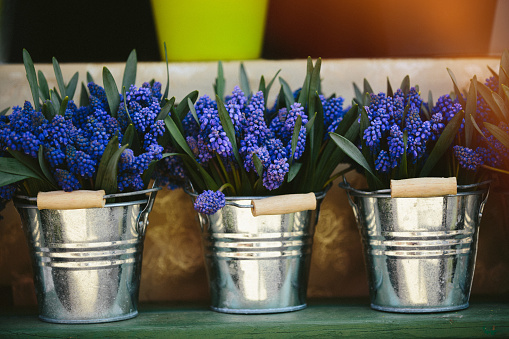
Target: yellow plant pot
<point>210,30</point>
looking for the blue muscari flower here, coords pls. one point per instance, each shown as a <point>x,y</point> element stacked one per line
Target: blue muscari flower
<point>414,98</point>
<point>373,134</point>
<point>66,180</point>
<point>436,126</point>
<point>7,192</point>
<point>155,131</point>
<point>209,202</point>
<point>301,144</point>
<point>296,110</point>
<point>59,131</point>
<point>126,160</point>
<point>489,156</point>
<point>256,102</point>
<point>468,158</point>
<point>276,149</point>
<point>30,144</point>
<point>143,118</point>
<point>448,108</point>
<point>97,97</point>
<point>200,149</point>
<point>333,112</point>
<point>277,124</point>
<point>129,181</point>
<point>55,156</point>
<point>492,83</point>
<point>235,107</point>
<point>382,162</point>
<point>170,171</point>
<point>396,145</point>
<point>275,174</point>
<point>418,133</point>
<point>80,163</point>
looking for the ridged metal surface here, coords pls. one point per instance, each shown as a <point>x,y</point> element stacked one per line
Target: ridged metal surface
<point>257,264</point>
<point>86,262</point>
<point>420,252</point>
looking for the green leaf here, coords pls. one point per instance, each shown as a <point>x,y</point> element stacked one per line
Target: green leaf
<point>405,85</point>
<point>470,110</point>
<point>289,100</point>
<point>228,127</point>
<point>129,77</point>
<point>166,108</point>
<point>304,92</point>
<point>358,94</point>
<point>48,111</point>
<point>220,81</point>
<point>444,142</point>
<point>167,88</point>
<point>244,81</point>
<point>14,166</point>
<point>294,170</point>
<point>44,166</point>
<point>110,87</point>
<point>310,123</point>
<point>89,78</point>
<point>70,89</point>
<point>109,181</point>
<point>390,92</point>
<point>177,136</point>
<point>55,102</point>
<point>501,105</point>
<point>33,165</point>
<point>314,86</point>
<point>495,74</point>
<point>63,106</point>
<point>43,86</point>
<point>403,166</point>
<point>108,153</point>
<point>474,123</point>
<point>193,110</point>
<point>498,133</point>
<point>430,101</point>
<point>84,100</point>
<point>367,87</point>
<point>266,89</point>
<point>183,107</point>
<point>456,88</point>
<point>258,165</point>
<point>10,178</point>
<point>504,66</point>
<point>486,93</point>
<point>59,77</point>
<point>4,111</point>
<point>295,136</point>
<point>129,135</point>
<point>32,78</point>
<point>352,151</point>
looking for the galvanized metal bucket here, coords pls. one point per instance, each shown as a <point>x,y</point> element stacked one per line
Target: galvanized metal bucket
<point>87,262</point>
<point>419,252</point>
<point>257,264</point>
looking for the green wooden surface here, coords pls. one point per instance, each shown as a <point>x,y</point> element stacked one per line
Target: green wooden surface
<point>320,319</point>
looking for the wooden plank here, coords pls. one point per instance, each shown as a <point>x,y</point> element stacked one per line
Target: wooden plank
<point>347,318</point>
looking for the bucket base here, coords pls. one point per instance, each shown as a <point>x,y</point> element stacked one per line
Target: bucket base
<point>258,311</point>
<point>419,310</point>
<point>89,321</point>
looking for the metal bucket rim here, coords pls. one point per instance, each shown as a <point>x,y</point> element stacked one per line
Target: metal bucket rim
<point>386,193</point>
<point>107,196</point>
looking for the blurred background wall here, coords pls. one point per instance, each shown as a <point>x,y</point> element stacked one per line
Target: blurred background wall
<point>102,31</point>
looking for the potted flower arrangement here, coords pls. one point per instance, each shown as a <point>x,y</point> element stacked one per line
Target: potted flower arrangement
<point>419,230</point>
<point>80,177</point>
<point>256,174</point>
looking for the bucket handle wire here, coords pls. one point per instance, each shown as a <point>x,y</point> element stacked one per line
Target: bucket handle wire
<point>142,220</point>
